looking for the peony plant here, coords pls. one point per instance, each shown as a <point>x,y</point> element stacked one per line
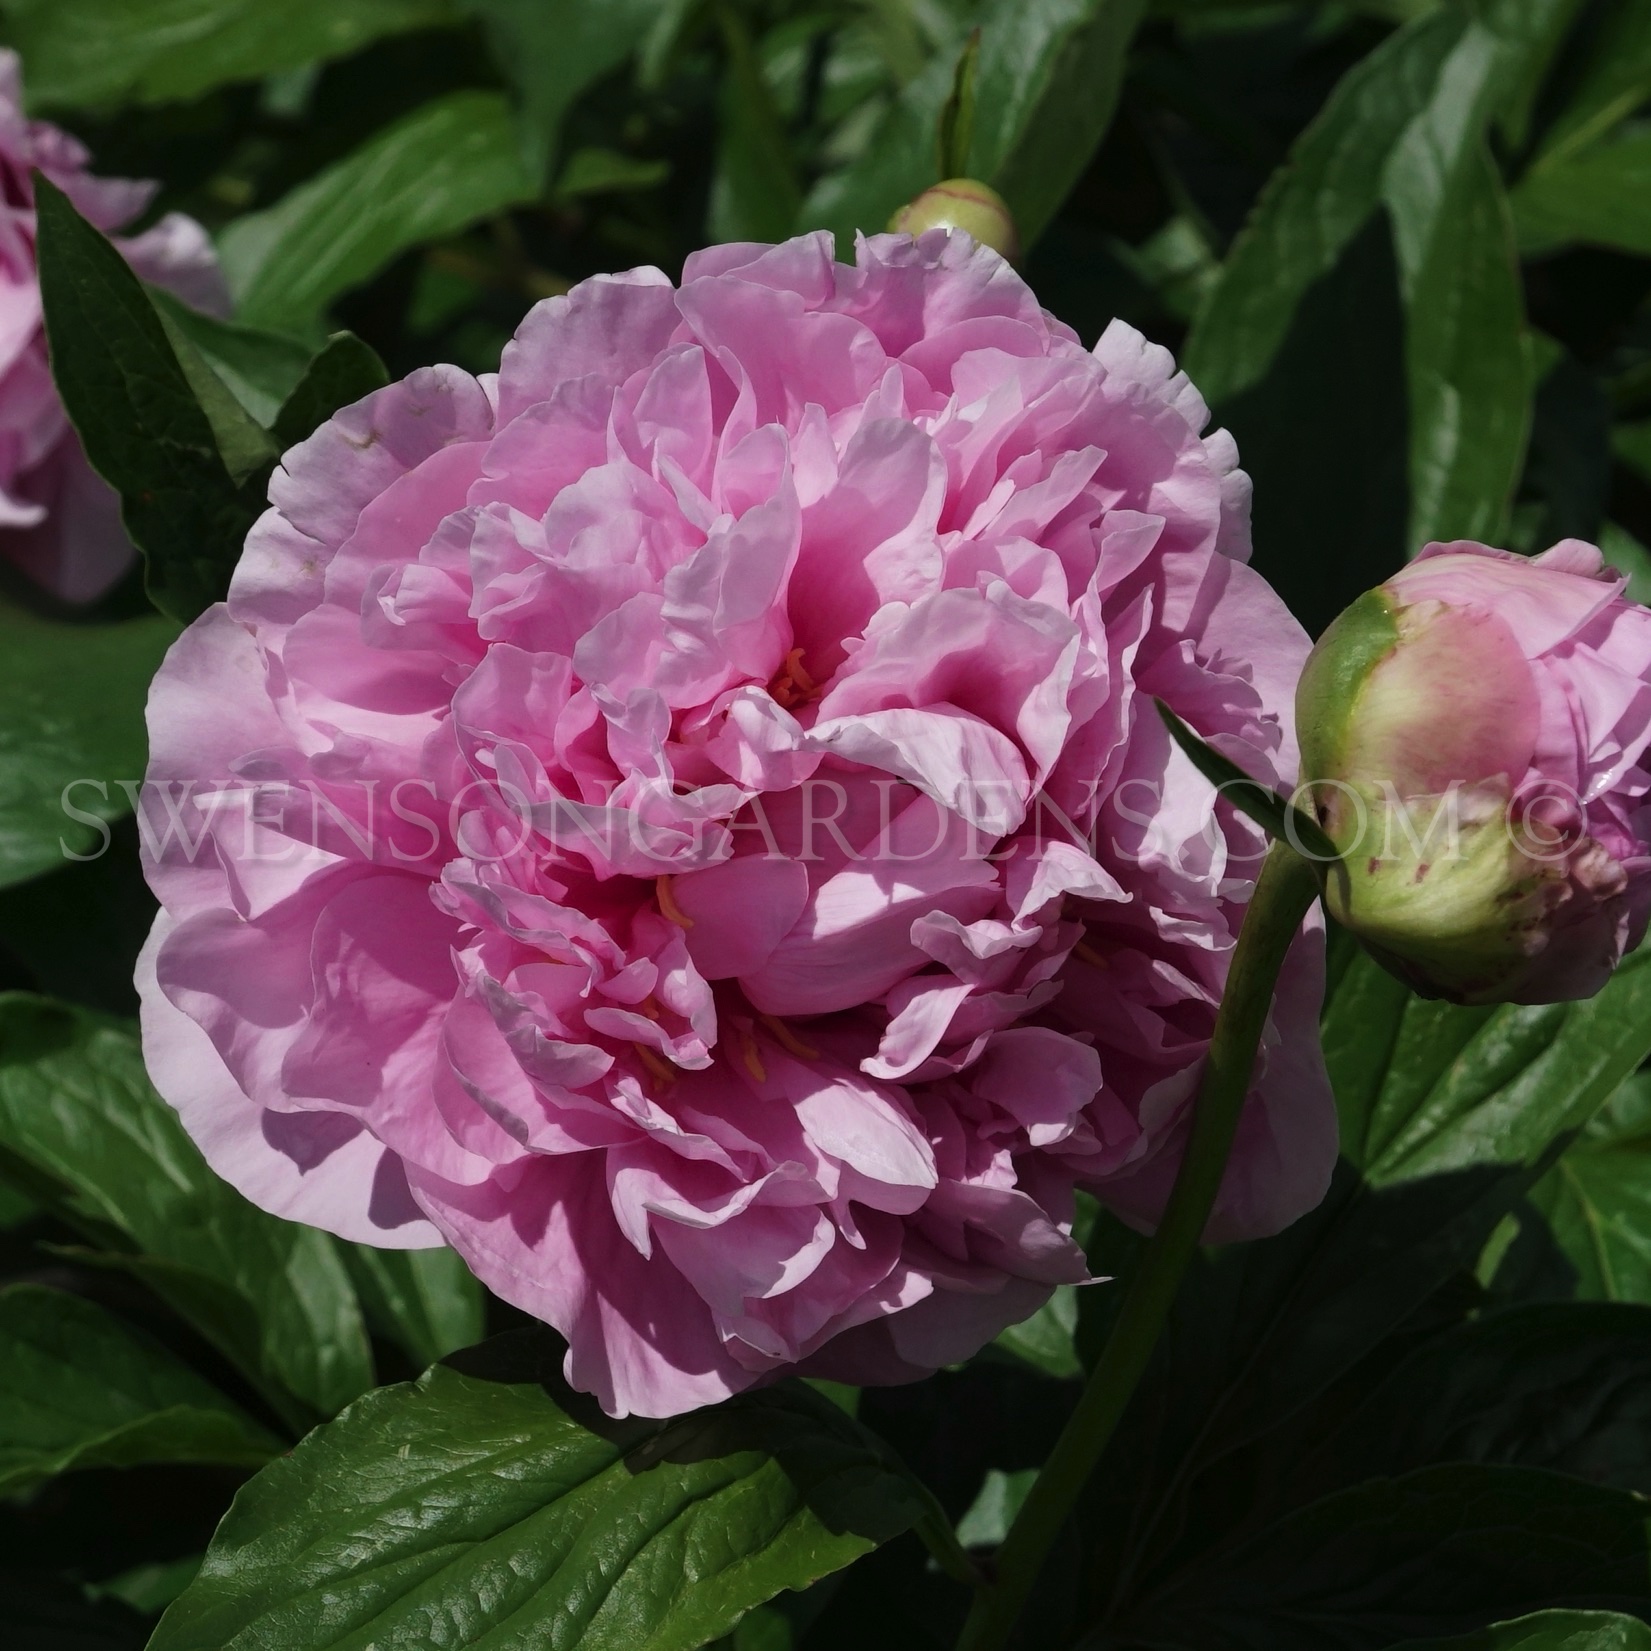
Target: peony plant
<point>766,937</point>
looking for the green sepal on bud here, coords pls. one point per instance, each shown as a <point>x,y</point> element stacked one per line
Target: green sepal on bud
<point>1401,714</point>
<point>966,204</point>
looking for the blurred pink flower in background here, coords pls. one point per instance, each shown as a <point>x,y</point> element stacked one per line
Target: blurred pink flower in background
<point>58,520</point>
<point>632,818</point>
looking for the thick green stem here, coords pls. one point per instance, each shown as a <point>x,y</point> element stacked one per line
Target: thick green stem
<point>1284,893</point>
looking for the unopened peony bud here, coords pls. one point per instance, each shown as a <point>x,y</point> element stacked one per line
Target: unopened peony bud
<point>966,204</point>
<point>1475,732</point>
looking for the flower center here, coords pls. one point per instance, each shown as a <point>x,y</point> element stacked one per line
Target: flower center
<point>791,684</point>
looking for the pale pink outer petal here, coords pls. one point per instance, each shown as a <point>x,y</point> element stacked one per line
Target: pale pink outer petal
<point>346,1183</point>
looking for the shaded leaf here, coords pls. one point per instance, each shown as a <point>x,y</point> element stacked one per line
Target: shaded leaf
<point>1045,1339</point>
<point>488,1498</point>
<point>993,1511</point>
<point>138,414</point>
<point>1440,1551</point>
<point>1045,93</point>
<point>606,171</point>
<point>1629,557</point>
<point>1406,127</point>
<point>552,50</point>
<point>451,162</point>
<point>82,52</point>
<point>956,135</point>
<point>1600,196</point>
<point>243,443</point>
<point>1614,83</point>
<point>1260,1333</point>
<point>1344,349</point>
<point>1047,88</point>
<point>68,737</point>
<point>345,371</point>
<point>1469,362</point>
<point>1597,1199</point>
<point>260,368</point>
<point>1315,204</point>
<point>426,1301</point>
<point>1550,1631</point>
<point>1558,1385</point>
<point>45,1613</point>
<point>79,1389</point>
<point>79,1118</point>
<point>754,192</point>
<point>1425,1087</point>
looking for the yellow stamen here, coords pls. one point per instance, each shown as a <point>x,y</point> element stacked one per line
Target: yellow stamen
<point>792,684</point>
<point>1088,953</point>
<point>794,670</point>
<point>787,1039</point>
<point>649,1007</point>
<point>753,1061</point>
<point>668,907</point>
<point>654,1064</point>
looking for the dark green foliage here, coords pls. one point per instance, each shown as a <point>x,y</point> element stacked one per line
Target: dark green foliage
<point>1404,248</point>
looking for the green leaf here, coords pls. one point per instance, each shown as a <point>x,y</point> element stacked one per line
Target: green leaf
<point>593,171</point>
<point>994,1508</point>
<point>1276,815</point>
<point>47,1613</point>
<point>150,1588</point>
<point>82,52</point>
<point>1432,1552</point>
<point>1629,557</point>
<point>1426,1087</point>
<point>1454,1113</point>
<point>1261,1334</point>
<point>261,368</point>
<point>1045,92</point>
<point>1468,358</point>
<point>426,1301</point>
<point>754,192</point>
<point>1047,88</point>
<point>243,443</point>
<point>1407,127</point>
<point>1044,1340</point>
<point>451,162</point>
<point>1344,348</point>
<point>68,737</point>
<point>1597,1199</point>
<point>345,371</point>
<point>1314,205</point>
<point>1614,83</point>
<point>1558,1385</point>
<point>136,409</point>
<point>79,1389</point>
<point>1600,196</point>
<point>551,51</point>
<point>80,1120</point>
<point>956,136</point>
<point>1550,1631</point>
<point>486,1505</point>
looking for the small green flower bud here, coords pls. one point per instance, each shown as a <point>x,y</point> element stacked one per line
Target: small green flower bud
<point>966,204</point>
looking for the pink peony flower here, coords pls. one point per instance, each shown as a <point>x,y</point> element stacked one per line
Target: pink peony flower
<point>642,807</point>
<point>1484,720</point>
<point>59,521</point>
